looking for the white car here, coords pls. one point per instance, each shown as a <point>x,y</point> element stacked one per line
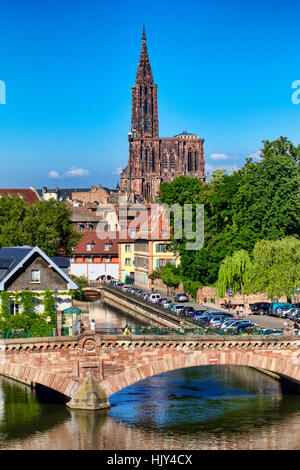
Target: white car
<point>154,298</point>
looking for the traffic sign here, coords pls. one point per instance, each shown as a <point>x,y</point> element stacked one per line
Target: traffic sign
<point>213,360</point>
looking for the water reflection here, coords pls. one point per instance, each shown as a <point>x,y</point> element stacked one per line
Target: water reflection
<point>212,407</point>
<point>107,316</point>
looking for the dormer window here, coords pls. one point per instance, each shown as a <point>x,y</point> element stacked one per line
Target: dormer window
<point>107,246</point>
<point>90,246</point>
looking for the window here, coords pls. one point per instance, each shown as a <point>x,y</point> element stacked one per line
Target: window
<point>89,260</point>
<point>89,246</point>
<point>172,163</point>
<point>165,162</point>
<point>107,246</point>
<point>107,260</point>
<point>127,261</point>
<point>81,227</point>
<point>190,160</point>
<point>127,248</point>
<point>160,263</point>
<point>35,276</point>
<point>91,227</point>
<point>160,247</point>
<point>72,260</point>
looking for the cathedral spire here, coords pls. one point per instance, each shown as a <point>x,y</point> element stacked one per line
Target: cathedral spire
<point>144,72</point>
<point>144,120</point>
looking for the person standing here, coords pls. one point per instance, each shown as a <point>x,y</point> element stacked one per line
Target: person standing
<point>237,310</point>
<point>93,326</point>
<point>78,327</point>
<point>295,328</point>
<point>241,310</point>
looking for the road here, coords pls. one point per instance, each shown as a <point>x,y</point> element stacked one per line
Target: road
<point>263,321</point>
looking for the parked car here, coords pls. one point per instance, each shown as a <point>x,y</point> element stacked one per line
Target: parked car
<point>181,298</point>
<point>275,305</point>
<point>162,300</point>
<point>154,298</point>
<point>260,308</point>
<point>141,293</point>
<point>166,303</point>
<point>231,323</point>
<point>217,321</point>
<point>177,308</point>
<point>188,310</point>
<point>284,311</point>
<point>270,331</point>
<point>244,325</point>
<point>171,305</point>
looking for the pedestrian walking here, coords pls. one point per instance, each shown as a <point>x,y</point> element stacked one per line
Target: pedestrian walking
<point>237,310</point>
<point>93,326</point>
<point>81,327</point>
<point>126,330</point>
<point>241,310</point>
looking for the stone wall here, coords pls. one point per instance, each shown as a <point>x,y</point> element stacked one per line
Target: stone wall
<point>208,295</point>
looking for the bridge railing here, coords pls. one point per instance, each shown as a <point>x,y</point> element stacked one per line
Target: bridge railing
<point>178,331</point>
<point>24,333</point>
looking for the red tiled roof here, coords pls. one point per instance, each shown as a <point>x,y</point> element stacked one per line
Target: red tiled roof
<point>28,194</point>
<point>92,237</point>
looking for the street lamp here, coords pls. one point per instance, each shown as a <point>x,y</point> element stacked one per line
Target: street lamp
<point>55,306</point>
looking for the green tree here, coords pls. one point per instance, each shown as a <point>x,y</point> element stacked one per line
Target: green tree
<point>275,268</point>
<point>233,273</point>
<point>46,224</point>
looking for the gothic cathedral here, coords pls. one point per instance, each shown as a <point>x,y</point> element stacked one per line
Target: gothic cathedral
<point>154,159</point>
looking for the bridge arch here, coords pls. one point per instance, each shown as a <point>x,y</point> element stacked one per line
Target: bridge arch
<point>278,365</point>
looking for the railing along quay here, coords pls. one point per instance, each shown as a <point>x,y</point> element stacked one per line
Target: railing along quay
<point>178,318</point>
<point>158,310</point>
<point>173,331</point>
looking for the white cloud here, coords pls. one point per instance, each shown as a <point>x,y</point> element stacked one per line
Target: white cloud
<point>229,168</point>
<point>117,171</point>
<point>73,171</point>
<point>53,174</point>
<point>256,155</point>
<point>219,156</point>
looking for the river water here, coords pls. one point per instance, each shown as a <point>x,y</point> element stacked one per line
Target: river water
<point>212,407</point>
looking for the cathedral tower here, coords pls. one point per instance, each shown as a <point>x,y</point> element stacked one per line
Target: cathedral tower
<point>153,159</point>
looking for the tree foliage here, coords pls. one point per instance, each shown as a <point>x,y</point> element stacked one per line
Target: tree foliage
<point>275,267</point>
<point>259,201</point>
<point>233,273</point>
<point>46,224</point>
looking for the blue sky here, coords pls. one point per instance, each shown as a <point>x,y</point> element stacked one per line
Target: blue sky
<point>224,70</point>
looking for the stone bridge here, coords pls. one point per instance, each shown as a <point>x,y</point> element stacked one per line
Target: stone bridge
<point>90,368</point>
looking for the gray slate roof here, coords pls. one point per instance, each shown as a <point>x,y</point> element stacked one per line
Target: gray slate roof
<point>10,257</point>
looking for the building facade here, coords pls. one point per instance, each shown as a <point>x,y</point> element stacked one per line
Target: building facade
<point>30,269</point>
<point>95,258</point>
<point>153,159</point>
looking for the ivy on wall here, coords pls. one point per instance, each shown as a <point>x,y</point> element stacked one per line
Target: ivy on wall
<point>25,316</point>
